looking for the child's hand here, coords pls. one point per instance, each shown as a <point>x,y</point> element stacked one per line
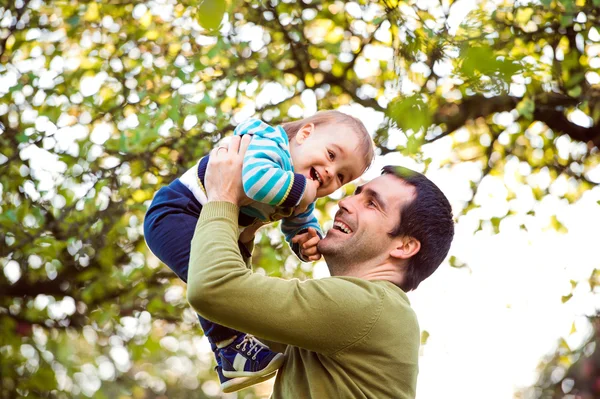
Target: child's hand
<point>308,244</point>
<point>310,196</point>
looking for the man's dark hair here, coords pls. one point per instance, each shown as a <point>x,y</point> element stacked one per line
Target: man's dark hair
<point>427,218</point>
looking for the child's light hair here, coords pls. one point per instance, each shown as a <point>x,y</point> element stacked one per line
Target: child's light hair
<point>338,118</point>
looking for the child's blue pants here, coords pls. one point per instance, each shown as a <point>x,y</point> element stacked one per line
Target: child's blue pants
<point>168,228</point>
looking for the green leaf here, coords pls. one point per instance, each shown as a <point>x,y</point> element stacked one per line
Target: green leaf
<point>410,113</point>
<point>575,91</point>
<point>566,20</point>
<point>478,59</point>
<point>573,329</point>
<point>573,284</point>
<point>557,225</point>
<point>524,15</point>
<point>73,21</point>
<point>564,345</point>
<point>526,107</point>
<point>11,216</point>
<point>413,145</point>
<point>22,138</point>
<point>569,5</point>
<point>149,137</point>
<point>210,14</point>
<point>454,262</point>
<point>123,142</point>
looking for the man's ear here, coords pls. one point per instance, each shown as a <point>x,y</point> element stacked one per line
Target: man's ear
<point>304,132</point>
<point>406,247</point>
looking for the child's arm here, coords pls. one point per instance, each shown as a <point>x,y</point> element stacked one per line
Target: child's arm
<point>297,225</point>
<point>267,171</point>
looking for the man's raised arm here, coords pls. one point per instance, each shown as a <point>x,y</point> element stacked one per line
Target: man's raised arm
<point>320,315</point>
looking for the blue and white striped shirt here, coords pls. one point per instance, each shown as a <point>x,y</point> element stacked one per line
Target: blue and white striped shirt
<point>268,179</point>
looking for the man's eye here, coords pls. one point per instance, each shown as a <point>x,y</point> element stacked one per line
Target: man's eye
<point>331,155</point>
<point>371,203</point>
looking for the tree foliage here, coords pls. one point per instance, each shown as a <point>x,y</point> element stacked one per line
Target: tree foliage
<point>572,371</point>
<point>103,103</point>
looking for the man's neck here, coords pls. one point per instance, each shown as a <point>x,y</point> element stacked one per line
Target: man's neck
<point>385,271</point>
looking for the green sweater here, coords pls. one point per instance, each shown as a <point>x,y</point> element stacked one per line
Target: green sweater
<point>346,337</point>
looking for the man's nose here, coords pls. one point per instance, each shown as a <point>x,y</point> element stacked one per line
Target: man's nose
<point>345,204</point>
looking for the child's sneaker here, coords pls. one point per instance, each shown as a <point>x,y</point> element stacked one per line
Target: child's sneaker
<point>248,357</point>
<point>229,385</point>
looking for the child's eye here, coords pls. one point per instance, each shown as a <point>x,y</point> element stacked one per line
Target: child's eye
<point>341,177</point>
<point>331,155</point>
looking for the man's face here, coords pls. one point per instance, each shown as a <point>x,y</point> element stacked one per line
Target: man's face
<point>361,226</point>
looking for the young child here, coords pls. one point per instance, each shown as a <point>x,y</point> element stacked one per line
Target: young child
<point>286,168</point>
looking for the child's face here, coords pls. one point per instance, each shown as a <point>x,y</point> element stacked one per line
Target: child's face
<point>328,155</point>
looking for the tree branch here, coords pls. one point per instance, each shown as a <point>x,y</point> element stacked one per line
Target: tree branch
<point>301,64</point>
<point>558,121</point>
<point>549,109</point>
<point>456,115</point>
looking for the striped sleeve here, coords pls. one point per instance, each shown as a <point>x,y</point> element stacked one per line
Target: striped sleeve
<point>299,224</point>
<point>267,171</point>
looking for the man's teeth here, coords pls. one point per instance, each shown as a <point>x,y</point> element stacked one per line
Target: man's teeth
<point>341,226</point>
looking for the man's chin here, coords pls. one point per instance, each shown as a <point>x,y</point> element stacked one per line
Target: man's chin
<point>332,242</point>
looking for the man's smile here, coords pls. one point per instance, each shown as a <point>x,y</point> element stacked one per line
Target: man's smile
<point>341,226</point>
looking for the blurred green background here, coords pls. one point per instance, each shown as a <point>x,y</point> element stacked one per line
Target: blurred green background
<point>103,103</point>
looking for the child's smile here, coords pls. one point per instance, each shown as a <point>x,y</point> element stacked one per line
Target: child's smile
<point>314,174</point>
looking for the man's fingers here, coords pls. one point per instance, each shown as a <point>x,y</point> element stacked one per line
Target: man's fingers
<point>218,151</point>
<point>213,153</point>
<point>246,139</point>
<point>234,144</point>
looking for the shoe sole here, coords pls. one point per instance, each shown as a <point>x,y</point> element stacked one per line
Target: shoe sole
<point>275,364</point>
<point>236,384</point>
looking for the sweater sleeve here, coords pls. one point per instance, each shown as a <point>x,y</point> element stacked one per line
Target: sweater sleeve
<point>324,315</point>
<point>299,224</point>
<point>267,171</point>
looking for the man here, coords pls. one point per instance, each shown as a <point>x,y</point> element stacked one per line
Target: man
<point>353,335</point>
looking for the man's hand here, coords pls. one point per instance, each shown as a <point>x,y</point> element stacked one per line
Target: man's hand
<point>223,179</point>
<point>310,196</point>
<point>308,244</point>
